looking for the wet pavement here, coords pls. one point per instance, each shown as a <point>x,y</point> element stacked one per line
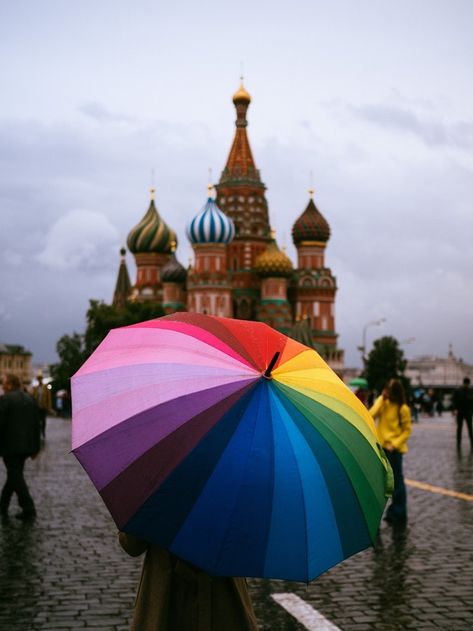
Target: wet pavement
<point>66,571</point>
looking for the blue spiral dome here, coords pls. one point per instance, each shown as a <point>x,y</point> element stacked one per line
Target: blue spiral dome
<point>210,225</point>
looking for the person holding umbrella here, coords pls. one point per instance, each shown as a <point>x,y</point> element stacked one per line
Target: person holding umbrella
<point>232,451</point>
<point>393,415</point>
<point>174,594</point>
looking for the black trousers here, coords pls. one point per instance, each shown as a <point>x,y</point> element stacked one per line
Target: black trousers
<point>15,483</point>
<point>398,508</point>
<point>467,418</point>
<point>44,414</point>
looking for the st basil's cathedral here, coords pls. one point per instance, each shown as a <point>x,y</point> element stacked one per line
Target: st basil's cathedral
<point>238,269</point>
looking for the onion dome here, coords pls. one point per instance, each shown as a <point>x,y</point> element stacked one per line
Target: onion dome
<point>311,225</point>
<point>273,262</point>
<point>173,271</point>
<point>241,95</point>
<point>151,234</point>
<point>210,225</point>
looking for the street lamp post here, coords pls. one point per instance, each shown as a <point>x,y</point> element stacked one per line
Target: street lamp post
<point>362,348</point>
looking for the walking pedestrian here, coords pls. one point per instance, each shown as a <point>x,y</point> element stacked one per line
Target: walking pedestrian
<point>175,595</point>
<point>393,417</point>
<point>20,422</point>
<point>42,395</point>
<point>463,410</point>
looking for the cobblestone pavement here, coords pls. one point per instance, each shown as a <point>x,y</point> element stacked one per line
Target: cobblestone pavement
<point>65,571</point>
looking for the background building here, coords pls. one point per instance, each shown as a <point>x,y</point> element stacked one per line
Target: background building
<point>238,269</point>
<point>16,360</point>
<point>444,373</point>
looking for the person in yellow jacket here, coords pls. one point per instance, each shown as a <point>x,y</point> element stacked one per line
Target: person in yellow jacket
<point>393,417</point>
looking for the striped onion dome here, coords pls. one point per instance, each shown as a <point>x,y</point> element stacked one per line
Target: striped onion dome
<point>311,225</point>
<point>173,271</point>
<point>210,225</point>
<point>151,234</point>
<point>273,262</point>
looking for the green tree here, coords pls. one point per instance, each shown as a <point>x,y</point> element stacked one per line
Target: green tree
<point>71,351</point>
<point>386,361</point>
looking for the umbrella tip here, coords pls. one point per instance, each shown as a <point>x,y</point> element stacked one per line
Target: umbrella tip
<point>267,372</point>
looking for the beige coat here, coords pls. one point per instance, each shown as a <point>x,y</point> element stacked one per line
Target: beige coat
<point>176,596</point>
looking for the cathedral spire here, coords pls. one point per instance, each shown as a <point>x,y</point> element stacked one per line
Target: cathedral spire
<point>240,194</point>
<point>240,163</point>
<point>241,100</point>
<point>123,285</point>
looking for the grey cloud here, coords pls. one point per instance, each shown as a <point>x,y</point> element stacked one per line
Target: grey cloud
<point>5,313</point>
<point>12,257</point>
<point>101,114</point>
<point>80,240</point>
<point>432,132</point>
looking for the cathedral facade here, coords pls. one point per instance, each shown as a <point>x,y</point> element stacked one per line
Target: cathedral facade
<point>238,269</point>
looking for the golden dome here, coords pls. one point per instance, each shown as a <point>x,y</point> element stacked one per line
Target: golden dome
<point>241,95</point>
<point>273,262</point>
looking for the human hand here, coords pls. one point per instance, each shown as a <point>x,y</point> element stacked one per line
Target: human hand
<point>389,447</point>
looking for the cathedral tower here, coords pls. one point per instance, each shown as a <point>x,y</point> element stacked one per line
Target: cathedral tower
<point>209,282</point>
<point>241,195</point>
<point>173,276</point>
<point>314,287</point>
<point>274,268</point>
<point>150,243</point>
<point>123,284</point>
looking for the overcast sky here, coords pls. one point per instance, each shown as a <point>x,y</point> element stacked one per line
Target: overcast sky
<point>374,97</point>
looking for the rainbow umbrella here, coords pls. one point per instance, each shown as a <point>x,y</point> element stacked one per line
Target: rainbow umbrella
<point>231,445</point>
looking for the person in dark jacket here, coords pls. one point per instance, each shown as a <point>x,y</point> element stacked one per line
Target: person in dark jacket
<point>463,409</point>
<point>20,438</point>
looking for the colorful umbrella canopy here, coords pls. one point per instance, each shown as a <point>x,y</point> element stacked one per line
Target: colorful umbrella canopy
<point>358,382</point>
<point>234,447</point>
